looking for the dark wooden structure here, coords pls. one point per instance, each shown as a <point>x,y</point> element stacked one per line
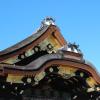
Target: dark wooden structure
<point>47,67</point>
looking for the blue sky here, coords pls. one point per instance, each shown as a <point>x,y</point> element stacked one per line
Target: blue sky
<point>79,21</point>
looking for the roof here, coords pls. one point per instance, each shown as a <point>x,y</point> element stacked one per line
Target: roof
<point>45,24</point>
<point>64,56</point>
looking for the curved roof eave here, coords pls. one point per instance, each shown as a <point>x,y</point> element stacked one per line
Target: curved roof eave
<point>25,41</point>
<point>55,59</point>
<point>90,64</point>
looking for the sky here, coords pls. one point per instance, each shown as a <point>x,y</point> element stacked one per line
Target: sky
<point>78,20</point>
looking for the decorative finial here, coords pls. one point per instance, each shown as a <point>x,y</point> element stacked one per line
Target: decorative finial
<point>74,47</point>
<point>48,21</point>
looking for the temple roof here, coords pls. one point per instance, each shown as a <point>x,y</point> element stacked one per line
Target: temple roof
<point>46,53</point>
<point>45,24</point>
